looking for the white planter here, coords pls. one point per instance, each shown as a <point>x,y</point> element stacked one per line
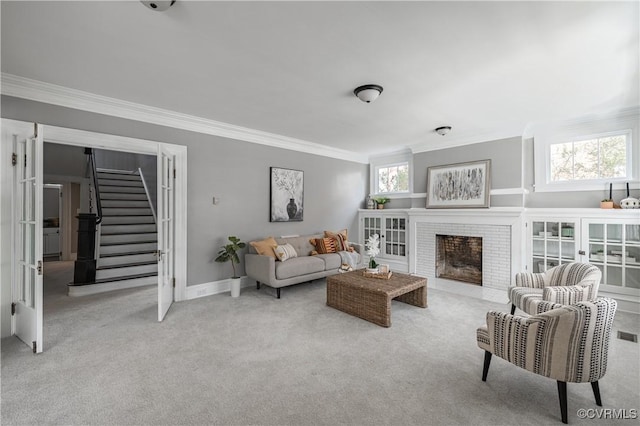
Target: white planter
<point>235,287</point>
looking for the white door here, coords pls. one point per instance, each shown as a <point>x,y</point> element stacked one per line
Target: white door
<point>166,228</point>
<point>27,255</point>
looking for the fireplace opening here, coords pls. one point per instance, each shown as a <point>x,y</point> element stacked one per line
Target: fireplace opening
<point>459,258</point>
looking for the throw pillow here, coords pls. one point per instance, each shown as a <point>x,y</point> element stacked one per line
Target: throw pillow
<point>341,239</point>
<point>324,245</point>
<point>284,252</point>
<point>265,247</point>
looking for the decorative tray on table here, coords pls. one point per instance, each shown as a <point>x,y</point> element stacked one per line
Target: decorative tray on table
<point>378,275</point>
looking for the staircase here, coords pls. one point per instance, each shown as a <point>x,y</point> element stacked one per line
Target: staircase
<point>128,234</point>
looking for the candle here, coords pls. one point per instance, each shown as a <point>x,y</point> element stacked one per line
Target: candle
<point>610,188</point>
<point>627,189</point>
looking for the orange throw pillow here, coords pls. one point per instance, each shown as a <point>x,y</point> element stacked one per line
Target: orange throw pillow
<point>324,245</point>
<point>265,247</point>
<point>341,239</point>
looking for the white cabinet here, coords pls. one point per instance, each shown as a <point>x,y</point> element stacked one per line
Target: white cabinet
<point>553,242</point>
<point>613,245</point>
<point>51,241</point>
<point>392,227</point>
<point>608,239</point>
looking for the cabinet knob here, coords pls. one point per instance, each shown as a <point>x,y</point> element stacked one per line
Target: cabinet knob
<point>581,252</point>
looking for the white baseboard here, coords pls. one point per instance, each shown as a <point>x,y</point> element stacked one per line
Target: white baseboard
<point>215,287</point>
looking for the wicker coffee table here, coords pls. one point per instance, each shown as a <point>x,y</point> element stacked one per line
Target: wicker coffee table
<point>370,298</point>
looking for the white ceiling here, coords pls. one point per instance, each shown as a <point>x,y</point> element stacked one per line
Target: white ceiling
<point>488,69</point>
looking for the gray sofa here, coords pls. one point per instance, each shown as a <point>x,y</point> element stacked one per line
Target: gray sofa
<point>277,274</point>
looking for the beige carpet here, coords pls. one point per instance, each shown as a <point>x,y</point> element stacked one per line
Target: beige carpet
<point>293,361</point>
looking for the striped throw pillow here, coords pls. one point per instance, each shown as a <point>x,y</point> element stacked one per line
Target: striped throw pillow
<point>341,239</point>
<point>284,252</point>
<point>324,245</point>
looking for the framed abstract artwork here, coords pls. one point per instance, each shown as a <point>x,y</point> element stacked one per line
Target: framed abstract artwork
<point>287,195</point>
<point>461,185</point>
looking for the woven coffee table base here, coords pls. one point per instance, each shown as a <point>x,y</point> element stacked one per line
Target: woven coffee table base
<point>370,298</point>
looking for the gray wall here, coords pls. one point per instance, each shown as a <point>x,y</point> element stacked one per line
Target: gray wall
<point>50,203</point>
<point>236,172</point>
<point>64,160</point>
<point>506,169</point>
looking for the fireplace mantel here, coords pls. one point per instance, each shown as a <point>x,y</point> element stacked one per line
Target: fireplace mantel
<point>500,227</point>
<point>490,215</point>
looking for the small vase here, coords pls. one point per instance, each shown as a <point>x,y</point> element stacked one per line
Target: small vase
<point>292,209</point>
<point>380,206</point>
<point>606,204</point>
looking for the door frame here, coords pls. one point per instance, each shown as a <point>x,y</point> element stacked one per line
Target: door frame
<point>66,136</point>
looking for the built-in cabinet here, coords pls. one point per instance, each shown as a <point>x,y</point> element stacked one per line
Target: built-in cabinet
<point>393,229</point>
<point>51,241</point>
<point>553,242</point>
<point>609,239</point>
<point>614,247</point>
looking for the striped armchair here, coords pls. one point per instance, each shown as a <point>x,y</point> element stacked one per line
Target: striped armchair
<point>567,344</point>
<point>565,284</point>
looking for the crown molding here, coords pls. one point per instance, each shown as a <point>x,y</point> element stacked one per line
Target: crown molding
<point>34,90</point>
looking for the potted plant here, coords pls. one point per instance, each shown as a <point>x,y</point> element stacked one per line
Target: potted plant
<point>606,204</point>
<point>373,249</point>
<point>381,201</point>
<point>227,253</point>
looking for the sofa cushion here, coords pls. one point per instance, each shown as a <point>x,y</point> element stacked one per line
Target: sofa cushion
<point>265,247</point>
<point>341,238</point>
<point>299,266</point>
<point>331,260</point>
<point>324,245</point>
<point>284,252</point>
<point>301,245</point>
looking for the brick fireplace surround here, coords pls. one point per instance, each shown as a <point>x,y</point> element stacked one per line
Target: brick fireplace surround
<point>502,246</point>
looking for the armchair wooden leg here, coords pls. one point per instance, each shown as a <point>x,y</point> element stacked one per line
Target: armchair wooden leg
<point>513,309</point>
<point>258,285</point>
<point>562,394</point>
<point>277,293</point>
<point>596,393</point>
<point>487,362</point>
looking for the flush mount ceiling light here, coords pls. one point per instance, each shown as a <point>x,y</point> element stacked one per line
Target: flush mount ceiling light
<point>368,93</point>
<point>158,5</point>
<point>443,130</point>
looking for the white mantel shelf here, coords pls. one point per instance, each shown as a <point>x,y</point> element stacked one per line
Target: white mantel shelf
<point>516,211</point>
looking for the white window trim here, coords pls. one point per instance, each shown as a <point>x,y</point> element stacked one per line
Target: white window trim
<point>626,125</point>
<point>377,163</point>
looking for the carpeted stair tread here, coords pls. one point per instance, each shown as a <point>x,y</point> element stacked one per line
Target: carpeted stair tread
<point>128,265</point>
<point>130,253</point>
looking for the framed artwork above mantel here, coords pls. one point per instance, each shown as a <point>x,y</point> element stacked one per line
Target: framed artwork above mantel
<point>460,185</point>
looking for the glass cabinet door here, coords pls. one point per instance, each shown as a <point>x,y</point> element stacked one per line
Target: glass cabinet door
<point>552,244</point>
<point>371,225</point>
<point>614,247</point>
<point>395,241</point>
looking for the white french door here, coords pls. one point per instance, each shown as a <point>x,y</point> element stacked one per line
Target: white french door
<point>166,228</point>
<point>27,237</point>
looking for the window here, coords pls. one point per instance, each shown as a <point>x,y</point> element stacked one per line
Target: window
<point>603,157</point>
<point>587,154</point>
<point>391,174</point>
<point>393,178</point>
